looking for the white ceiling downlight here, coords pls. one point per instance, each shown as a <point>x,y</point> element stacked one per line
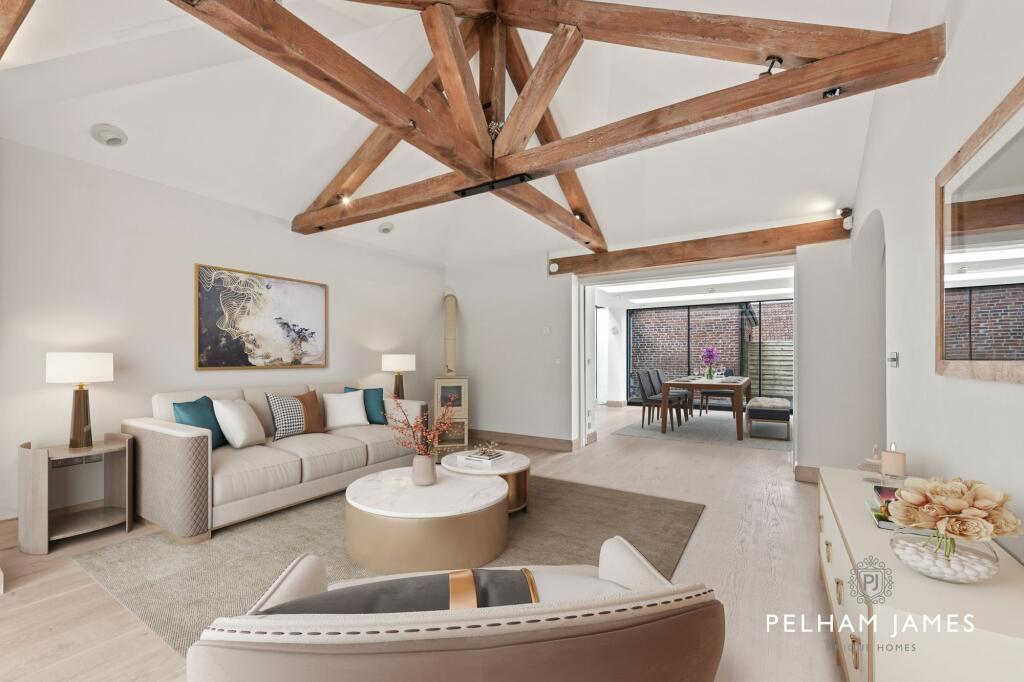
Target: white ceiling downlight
<point>109,135</point>
<point>385,228</point>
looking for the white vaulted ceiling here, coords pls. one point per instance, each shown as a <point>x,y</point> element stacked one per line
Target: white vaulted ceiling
<point>205,115</point>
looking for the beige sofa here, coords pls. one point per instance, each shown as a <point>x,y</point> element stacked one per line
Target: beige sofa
<point>620,621</point>
<point>189,489</point>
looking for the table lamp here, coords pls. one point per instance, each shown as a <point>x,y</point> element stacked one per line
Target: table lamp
<point>398,364</point>
<point>80,369</point>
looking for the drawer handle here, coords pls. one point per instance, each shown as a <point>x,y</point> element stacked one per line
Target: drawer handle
<point>828,551</point>
<point>821,519</point>
<point>839,592</point>
<point>855,651</point>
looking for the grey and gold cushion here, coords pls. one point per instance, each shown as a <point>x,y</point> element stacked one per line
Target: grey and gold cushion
<point>428,592</point>
<point>294,415</point>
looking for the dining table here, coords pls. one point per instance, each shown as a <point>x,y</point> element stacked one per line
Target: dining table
<point>739,386</point>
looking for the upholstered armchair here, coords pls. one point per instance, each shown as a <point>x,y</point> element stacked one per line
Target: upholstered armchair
<point>616,622</point>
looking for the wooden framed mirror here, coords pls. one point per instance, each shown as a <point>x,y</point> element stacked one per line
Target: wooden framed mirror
<point>980,251</point>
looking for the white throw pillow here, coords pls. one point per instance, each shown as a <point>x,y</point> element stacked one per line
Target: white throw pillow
<point>344,409</point>
<point>239,423</point>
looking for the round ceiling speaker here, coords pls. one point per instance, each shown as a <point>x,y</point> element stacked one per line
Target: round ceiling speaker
<point>385,228</point>
<point>109,135</point>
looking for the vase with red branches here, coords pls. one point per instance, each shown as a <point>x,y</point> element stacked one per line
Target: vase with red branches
<point>422,437</point>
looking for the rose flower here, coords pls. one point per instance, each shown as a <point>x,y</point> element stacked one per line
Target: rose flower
<point>904,514</point>
<point>986,497</point>
<point>965,528</point>
<point>953,494</point>
<point>1004,522</point>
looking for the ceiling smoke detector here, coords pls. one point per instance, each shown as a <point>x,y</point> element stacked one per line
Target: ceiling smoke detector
<point>385,228</point>
<point>109,135</point>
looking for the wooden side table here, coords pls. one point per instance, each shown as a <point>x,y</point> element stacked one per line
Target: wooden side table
<point>38,525</point>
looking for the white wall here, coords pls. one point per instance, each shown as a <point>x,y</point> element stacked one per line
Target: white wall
<point>602,330</point>
<point>91,259</point>
<point>840,375</point>
<point>516,345</point>
<point>947,426</point>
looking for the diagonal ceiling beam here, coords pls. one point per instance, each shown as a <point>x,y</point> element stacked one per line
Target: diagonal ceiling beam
<point>543,208</point>
<point>435,190</point>
<point>895,61</point>
<point>12,13</point>
<point>492,69</point>
<point>276,34</point>
<point>519,70</point>
<point>382,140</point>
<point>453,67</point>
<point>539,90</point>
<point>772,241</point>
<point>716,36</point>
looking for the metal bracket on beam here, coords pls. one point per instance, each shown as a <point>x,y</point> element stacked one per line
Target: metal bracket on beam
<point>494,184</point>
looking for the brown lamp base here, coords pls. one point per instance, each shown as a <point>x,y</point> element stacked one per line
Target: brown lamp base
<point>399,386</point>
<point>81,427</point>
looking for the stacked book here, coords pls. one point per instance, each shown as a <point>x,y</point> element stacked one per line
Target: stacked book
<point>480,458</point>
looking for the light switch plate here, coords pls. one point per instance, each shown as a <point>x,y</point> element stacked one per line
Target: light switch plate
<point>894,359</point>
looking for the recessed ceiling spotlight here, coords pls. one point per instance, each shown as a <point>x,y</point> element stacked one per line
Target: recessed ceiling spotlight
<point>385,228</point>
<point>108,135</point>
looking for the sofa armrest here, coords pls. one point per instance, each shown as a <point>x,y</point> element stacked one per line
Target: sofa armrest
<point>414,408</point>
<point>304,577</point>
<point>172,474</point>
<point>621,563</point>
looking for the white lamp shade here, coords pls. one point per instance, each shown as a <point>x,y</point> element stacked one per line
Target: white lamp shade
<point>398,363</point>
<point>79,368</point>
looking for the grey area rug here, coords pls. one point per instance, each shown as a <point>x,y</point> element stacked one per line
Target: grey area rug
<point>718,428</point>
<point>177,590</point>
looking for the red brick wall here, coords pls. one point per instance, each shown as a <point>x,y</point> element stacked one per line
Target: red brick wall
<point>985,323</point>
<point>658,336</point>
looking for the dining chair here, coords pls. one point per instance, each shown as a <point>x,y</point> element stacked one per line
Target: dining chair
<point>707,395</point>
<point>683,394</point>
<point>650,401</point>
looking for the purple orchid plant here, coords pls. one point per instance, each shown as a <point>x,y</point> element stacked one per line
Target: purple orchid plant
<point>709,358</point>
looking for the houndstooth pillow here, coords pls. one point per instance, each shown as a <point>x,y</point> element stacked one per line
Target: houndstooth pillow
<point>294,415</point>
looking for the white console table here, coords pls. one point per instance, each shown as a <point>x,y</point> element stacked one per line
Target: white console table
<point>993,652</point>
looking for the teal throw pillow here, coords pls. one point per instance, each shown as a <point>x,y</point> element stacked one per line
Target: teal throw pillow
<point>373,401</point>
<point>200,413</point>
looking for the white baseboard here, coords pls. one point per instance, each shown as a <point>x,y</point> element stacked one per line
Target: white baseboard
<point>562,444</point>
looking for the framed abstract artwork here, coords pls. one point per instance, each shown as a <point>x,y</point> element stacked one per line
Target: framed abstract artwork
<point>248,320</point>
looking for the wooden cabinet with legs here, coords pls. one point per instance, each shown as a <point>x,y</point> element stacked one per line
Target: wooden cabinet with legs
<point>38,525</point>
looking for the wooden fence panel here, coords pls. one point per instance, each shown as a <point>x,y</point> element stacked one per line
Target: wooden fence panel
<point>770,362</point>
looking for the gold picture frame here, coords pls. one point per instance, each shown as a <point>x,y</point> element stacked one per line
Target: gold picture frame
<point>226,336</point>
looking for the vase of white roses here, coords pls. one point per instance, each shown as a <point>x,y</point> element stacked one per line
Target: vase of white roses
<point>962,516</point>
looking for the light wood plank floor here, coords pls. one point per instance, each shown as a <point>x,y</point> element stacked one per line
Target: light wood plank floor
<point>755,544</point>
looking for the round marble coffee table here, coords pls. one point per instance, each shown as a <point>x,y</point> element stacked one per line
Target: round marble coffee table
<point>395,526</point>
<point>513,467</point>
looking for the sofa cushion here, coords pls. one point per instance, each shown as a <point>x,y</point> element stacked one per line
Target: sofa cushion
<point>379,440</point>
<point>240,424</point>
<point>294,415</point>
<point>199,412</point>
<point>324,454</point>
<point>251,471</point>
<point>373,401</point>
<point>257,397</point>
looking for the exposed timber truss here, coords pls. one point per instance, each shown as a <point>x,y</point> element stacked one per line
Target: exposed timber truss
<point>462,122</point>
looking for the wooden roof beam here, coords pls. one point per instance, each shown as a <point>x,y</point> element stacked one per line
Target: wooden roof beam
<point>531,200</point>
<point>539,90</point>
<point>519,70</point>
<point>772,241</point>
<point>12,14</point>
<point>897,60</point>
<point>273,32</point>
<point>382,140</point>
<point>453,68</point>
